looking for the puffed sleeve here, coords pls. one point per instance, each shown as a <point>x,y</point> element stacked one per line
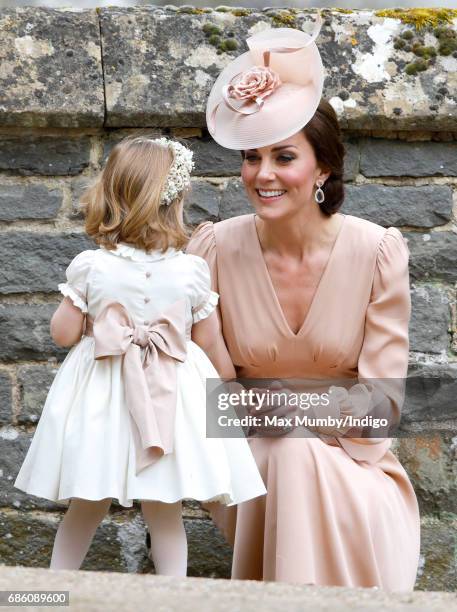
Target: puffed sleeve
<point>204,300</point>
<point>77,273</point>
<point>203,244</point>
<point>383,359</point>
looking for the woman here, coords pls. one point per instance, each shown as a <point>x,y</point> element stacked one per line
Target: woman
<point>307,292</point>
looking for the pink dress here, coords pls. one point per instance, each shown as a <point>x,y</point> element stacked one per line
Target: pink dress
<point>333,515</point>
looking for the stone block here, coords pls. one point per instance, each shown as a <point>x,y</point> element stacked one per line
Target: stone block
<point>433,255</point>
<point>234,200</point>
<point>430,461</point>
<point>213,160</point>
<point>34,383</point>
<point>202,203</point>
<point>44,155</point>
<point>425,206</point>
<point>20,200</point>
<point>78,186</point>
<point>430,319</point>
<point>144,87</point>
<point>351,160</point>
<point>24,329</point>
<point>399,158</point>
<point>6,412</point>
<point>37,262</point>
<point>51,68</point>
<point>429,406</point>
<point>209,555</point>
<point>438,567</point>
<point>13,448</point>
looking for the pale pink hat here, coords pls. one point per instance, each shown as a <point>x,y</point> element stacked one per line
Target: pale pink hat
<point>268,93</point>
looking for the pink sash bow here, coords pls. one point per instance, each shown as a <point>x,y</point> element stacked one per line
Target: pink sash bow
<point>150,380</point>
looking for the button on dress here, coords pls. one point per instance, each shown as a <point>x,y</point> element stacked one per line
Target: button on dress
<point>337,512</point>
<point>83,445</point>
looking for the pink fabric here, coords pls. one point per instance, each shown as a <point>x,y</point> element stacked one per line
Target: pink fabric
<point>338,511</point>
<point>150,379</point>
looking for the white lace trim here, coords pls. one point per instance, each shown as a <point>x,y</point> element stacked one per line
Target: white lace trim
<point>134,254</point>
<point>204,310</point>
<point>66,290</point>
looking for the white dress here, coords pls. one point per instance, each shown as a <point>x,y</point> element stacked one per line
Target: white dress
<point>83,445</point>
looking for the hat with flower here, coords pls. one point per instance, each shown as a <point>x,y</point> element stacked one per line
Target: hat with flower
<point>268,93</point>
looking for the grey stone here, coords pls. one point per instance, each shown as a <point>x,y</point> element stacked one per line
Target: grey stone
<point>209,554</point>
<point>425,206</point>
<point>51,68</point>
<point>430,461</point>
<point>34,383</point>
<point>27,540</point>
<point>213,160</point>
<point>145,88</point>
<point>19,200</point>
<point>430,319</point>
<point>6,413</point>
<point>24,330</point>
<point>46,155</point>
<point>433,255</point>
<point>78,186</point>
<point>430,395</point>
<point>234,200</point>
<point>13,448</point>
<point>351,160</point>
<point>37,262</point>
<point>116,592</point>
<point>202,203</point>
<point>399,158</point>
<point>438,570</point>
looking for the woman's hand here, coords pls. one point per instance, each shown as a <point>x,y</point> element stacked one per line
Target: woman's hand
<point>277,416</point>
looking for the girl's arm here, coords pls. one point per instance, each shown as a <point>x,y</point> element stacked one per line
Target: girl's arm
<point>208,335</point>
<point>67,324</point>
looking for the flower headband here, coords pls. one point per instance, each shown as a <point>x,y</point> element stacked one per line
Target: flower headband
<point>178,177</point>
<point>179,174</point>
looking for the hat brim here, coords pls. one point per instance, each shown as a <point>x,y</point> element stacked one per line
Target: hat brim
<point>287,110</point>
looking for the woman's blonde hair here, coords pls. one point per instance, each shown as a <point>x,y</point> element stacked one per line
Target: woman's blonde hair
<point>124,203</point>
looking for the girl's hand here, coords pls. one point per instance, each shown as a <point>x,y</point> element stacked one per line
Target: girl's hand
<point>67,324</point>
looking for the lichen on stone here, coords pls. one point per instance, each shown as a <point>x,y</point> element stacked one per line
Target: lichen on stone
<point>420,17</point>
<point>284,19</point>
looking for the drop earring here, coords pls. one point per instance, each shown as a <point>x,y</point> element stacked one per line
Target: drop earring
<point>319,196</point>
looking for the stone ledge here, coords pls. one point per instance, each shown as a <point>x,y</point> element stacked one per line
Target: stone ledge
<point>94,591</point>
<point>381,73</point>
<point>51,73</point>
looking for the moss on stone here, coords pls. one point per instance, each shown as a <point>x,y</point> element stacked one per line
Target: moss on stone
<point>241,12</point>
<point>229,44</point>
<point>210,28</point>
<point>214,40</point>
<point>190,10</point>
<point>418,66</point>
<point>407,35</point>
<point>342,10</point>
<point>447,41</point>
<point>284,19</point>
<point>420,17</point>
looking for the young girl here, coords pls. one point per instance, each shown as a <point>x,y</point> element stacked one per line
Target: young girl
<point>125,416</point>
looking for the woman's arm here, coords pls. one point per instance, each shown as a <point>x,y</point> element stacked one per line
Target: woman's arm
<point>208,335</point>
<point>67,324</point>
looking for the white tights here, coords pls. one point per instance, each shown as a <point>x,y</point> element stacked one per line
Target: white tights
<point>164,521</point>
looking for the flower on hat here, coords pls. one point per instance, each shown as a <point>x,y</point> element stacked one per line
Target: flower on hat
<point>256,83</point>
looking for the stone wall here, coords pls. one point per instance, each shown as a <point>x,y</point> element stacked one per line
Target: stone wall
<point>74,82</point>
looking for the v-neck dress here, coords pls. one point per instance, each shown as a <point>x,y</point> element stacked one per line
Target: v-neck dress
<point>337,512</point>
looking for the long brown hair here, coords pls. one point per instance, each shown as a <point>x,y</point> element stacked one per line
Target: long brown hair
<point>123,204</point>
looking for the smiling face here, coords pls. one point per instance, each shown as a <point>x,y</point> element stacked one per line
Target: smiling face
<point>280,179</point>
